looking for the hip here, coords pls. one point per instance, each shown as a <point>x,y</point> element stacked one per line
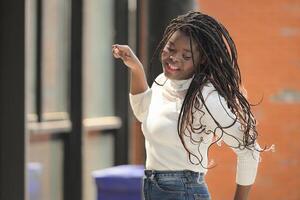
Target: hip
<point>175,185</point>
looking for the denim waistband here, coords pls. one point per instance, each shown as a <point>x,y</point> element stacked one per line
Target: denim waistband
<point>171,173</point>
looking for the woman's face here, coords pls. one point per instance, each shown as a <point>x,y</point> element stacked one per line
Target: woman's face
<point>176,57</point>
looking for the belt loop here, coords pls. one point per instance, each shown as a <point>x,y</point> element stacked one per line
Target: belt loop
<point>152,175</point>
<point>200,177</point>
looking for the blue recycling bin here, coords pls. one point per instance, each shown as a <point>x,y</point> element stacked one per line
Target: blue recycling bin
<point>120,182</point>
<point>35,180</point>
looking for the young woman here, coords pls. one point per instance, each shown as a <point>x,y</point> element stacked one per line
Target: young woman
<point>196,102</point>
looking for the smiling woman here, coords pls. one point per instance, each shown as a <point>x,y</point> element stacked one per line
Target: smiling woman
<point>196,102</point>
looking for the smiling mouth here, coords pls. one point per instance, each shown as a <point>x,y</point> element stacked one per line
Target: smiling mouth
<point>171,68</point>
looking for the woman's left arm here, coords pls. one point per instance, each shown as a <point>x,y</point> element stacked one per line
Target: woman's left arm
<point>232,135</point>
<point>241,192</point>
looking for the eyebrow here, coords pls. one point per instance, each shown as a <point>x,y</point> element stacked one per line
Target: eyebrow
<point>172,43</point>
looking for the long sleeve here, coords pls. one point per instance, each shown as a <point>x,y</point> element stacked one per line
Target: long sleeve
<point>140,104</point>
<point>247,159</point>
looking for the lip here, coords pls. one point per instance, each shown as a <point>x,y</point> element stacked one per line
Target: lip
<point>169,69</point>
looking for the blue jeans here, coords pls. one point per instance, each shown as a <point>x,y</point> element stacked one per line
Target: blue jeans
<point>175,185</point>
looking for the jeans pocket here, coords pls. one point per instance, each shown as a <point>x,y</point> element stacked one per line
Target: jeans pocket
<point>202,197</point>
<point>174,186</point>
<point>200,191</point>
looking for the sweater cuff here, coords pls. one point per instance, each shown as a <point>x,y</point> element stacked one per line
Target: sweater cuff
<point>247,169</point>
<point>245,175</point>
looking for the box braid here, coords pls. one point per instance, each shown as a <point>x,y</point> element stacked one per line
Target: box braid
<point>220,68</point>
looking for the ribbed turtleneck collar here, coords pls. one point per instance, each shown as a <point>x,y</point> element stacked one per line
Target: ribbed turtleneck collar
<point>179,85</point>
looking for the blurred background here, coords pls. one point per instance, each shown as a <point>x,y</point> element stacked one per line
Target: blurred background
<point>64,99</point>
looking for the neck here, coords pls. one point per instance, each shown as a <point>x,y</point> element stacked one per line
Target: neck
<point>180,84</point>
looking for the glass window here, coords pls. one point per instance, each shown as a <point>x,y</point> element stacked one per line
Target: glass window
<point>56,55</point>
<point>98,153</point>
<point>98,88</point>
<point>97,58</point>
<point>45,167</point>
<point>45,154</point>
<point>30,55</point>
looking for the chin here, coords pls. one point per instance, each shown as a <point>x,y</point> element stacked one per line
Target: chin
<point>170,76</point>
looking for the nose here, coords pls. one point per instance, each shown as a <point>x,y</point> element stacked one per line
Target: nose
<point>174,58</point>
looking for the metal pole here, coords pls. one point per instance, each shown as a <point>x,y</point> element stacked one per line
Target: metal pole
<point>121,84</point>
<point>73,141</point>
<point>12,100</point>
<point>39,53</point>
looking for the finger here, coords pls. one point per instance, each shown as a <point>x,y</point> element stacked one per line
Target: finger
<point>120,54</point>
<point>123,47</point>
<point>116,55</point>
<point>121,51</point>
<point>115,50</point>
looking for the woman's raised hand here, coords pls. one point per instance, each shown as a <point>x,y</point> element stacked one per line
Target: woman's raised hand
<point>126,54</point>
<point>138,81</point>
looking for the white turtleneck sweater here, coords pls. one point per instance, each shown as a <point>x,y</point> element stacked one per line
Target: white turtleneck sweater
<point>158,110</point>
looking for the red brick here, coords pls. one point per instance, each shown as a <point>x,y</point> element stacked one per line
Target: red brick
<point>267,35</point>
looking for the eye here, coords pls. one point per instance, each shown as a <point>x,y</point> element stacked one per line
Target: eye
<point>169,48</point>
<point>185,57</point>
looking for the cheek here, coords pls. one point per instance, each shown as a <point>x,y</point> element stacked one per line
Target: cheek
<point>164,54</point>
<point>190,66</point>
<point>165,51</point>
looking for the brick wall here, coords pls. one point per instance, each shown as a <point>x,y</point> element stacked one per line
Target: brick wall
<point>267,35</point>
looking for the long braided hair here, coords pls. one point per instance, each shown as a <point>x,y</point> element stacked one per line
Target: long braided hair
<point>221,69</point>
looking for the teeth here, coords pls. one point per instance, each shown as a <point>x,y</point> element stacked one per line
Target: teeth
<point>172,67</point>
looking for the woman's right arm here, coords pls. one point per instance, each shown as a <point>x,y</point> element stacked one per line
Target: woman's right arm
<point>138,81</point>
<point>140,93</point>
